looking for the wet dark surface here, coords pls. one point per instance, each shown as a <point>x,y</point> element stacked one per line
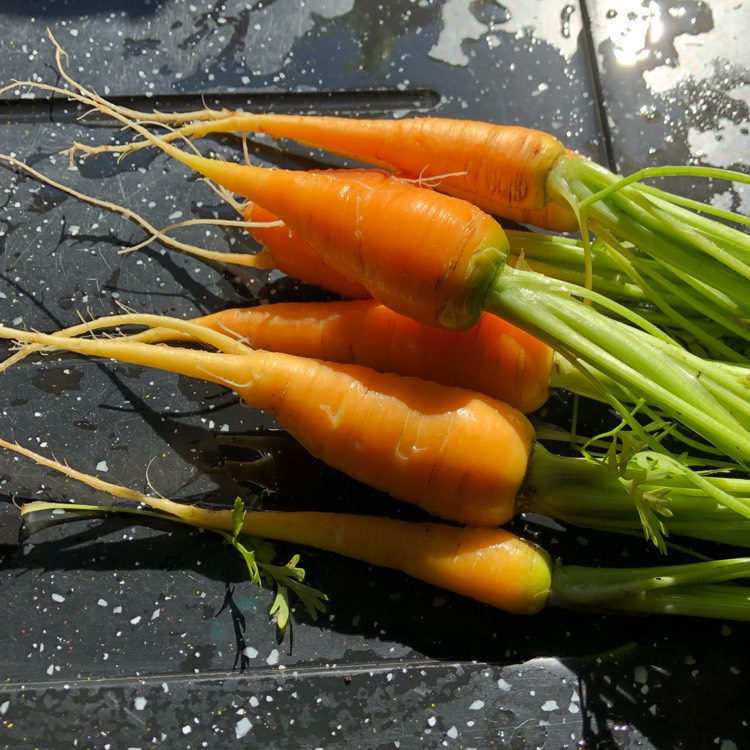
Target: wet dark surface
<point>123,636</point>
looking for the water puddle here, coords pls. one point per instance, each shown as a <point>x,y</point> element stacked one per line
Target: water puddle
<point>556,24</point>
<point>57,380</point>
<point>676,84</point>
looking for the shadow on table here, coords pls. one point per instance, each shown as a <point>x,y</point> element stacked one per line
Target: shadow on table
<point>677,683</point>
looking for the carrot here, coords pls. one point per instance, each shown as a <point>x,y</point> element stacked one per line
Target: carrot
<point>454,453</point>
<point>492,566</point>
<point>492,357</point>
<point>501,169</point>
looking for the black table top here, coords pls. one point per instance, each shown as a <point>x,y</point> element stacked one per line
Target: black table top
<point>123,635</point>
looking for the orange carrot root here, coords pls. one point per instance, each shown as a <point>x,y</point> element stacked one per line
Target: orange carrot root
<point>424,443</point>
<point>502,169</point>
<point>493,357</point>
<point>289,253</point>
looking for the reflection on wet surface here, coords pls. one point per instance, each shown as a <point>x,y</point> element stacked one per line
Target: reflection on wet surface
<point>673,76</point>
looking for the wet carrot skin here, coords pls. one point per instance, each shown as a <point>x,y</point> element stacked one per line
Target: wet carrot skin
<point>295,257</point>
<point>502,169</point>
<point>493,357</point>
<point>490,565</point>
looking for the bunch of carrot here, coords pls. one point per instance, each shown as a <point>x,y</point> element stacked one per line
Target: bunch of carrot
<point>368,386</point>
<point>456,453</point>
<point>449,263</point>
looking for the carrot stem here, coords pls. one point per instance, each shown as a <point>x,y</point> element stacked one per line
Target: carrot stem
<point>651,493</point>
<point>689,589</point>
<point>710,259</point>
<point>664,374</point>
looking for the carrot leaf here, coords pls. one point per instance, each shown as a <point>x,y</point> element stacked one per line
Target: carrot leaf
<point>280,607</point>
<point>289,578</point>
<point>238,517</point>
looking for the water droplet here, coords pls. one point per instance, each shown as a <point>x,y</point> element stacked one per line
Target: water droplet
<point>565,16</point>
